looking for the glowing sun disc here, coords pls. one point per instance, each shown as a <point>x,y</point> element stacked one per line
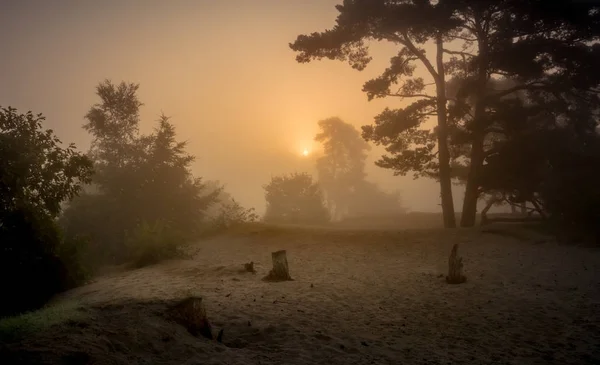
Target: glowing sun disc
<point>305,152</point>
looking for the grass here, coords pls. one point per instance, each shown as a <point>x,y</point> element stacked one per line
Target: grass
<point>20,326</point>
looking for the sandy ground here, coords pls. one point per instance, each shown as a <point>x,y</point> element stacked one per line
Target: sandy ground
<point>367,297</point>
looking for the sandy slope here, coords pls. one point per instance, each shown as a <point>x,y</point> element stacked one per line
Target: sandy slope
<point>376,298</point>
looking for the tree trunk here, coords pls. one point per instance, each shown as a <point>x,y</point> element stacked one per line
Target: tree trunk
<point>280,270</point>
<point>488,206</point>
<point>455,266</point>
<point>444,154</point>
<point>469,210</point>
<point>477,127</point>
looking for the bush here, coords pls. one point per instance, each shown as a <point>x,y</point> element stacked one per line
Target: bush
<point>31,271</point>
<point>36,175</point>
<point>36,262</point>
<point>232,214</point>
<point>98,219</point>
<point>295,199</point>
<point>75,255</point>
<point>152,243</point>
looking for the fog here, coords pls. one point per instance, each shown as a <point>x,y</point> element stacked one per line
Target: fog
<point>222,70</point>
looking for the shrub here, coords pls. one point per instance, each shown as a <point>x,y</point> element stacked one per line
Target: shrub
<point>232,214</point>
<point>75,255</point>
<point>30,271</point>
<point>295,199</point>
<point>36,175</point>
<point>152,243</point>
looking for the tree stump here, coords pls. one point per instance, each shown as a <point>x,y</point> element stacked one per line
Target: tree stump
<point>249,267</point>
<point>280,270</point>
<point>455,266</point>
<point>191,314</point>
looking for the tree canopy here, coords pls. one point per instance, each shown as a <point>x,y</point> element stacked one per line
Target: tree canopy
<point>139,178</point>
<point>543,48</point>
<point>37,174</point>
<point>342,167</point>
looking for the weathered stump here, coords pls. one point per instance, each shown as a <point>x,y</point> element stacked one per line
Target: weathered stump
<point>249,267</point>
<point>455,266</point>
<point>280,270</point>
<point>191,314</point>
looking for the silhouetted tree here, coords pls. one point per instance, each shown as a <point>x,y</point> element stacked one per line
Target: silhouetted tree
<point>409,25</point>
<point>296,199</point>
<point>139,178</point>
<point>544,47</point>
<point>36,175</point>
<point>342,167</point>
<point>535,49</point>
<point>548,156</point>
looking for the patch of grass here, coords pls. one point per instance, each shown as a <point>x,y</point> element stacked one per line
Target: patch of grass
<point>18,327</point>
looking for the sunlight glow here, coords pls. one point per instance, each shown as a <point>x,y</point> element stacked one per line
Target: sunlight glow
<point>306,152</point>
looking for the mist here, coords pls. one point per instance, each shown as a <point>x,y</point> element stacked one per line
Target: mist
<point>222,71</point>
<point>299,182</point>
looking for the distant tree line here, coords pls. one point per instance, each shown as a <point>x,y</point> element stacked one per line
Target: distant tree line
<point>340,191</point>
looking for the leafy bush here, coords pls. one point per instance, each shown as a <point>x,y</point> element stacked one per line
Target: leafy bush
<point>36,175</point>
<point>232,214</point>
<point>30,272</point>
<point>76,257</point>
<point>152,243</point>
<point>97,218</point>
<point>295,199</point>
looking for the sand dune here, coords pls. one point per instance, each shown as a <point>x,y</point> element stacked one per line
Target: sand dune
<point>363,297</point>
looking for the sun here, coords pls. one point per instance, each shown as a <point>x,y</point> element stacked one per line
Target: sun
<point>305,152</point>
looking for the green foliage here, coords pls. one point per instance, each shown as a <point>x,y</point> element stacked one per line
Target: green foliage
<point>231,213</point>
<point>226,212</point>
<point>36,176</point>
<point>35,170</point>
<point>410,149</point>
<point>295,199</point>
<point>151,243</point>
<point>139,178</point>
<point>79,265</point>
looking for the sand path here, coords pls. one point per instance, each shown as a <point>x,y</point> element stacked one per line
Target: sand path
<point>377,298</point>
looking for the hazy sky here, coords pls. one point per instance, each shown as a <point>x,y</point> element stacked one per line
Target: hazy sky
<point>221,69</point>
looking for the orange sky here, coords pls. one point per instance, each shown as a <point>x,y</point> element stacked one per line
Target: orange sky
<point>222,69</point>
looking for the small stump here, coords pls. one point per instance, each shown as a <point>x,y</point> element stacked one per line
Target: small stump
<point>280,270</point>
<point>455,266</point>
<point>191,314</point>
<point>249,267</point>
